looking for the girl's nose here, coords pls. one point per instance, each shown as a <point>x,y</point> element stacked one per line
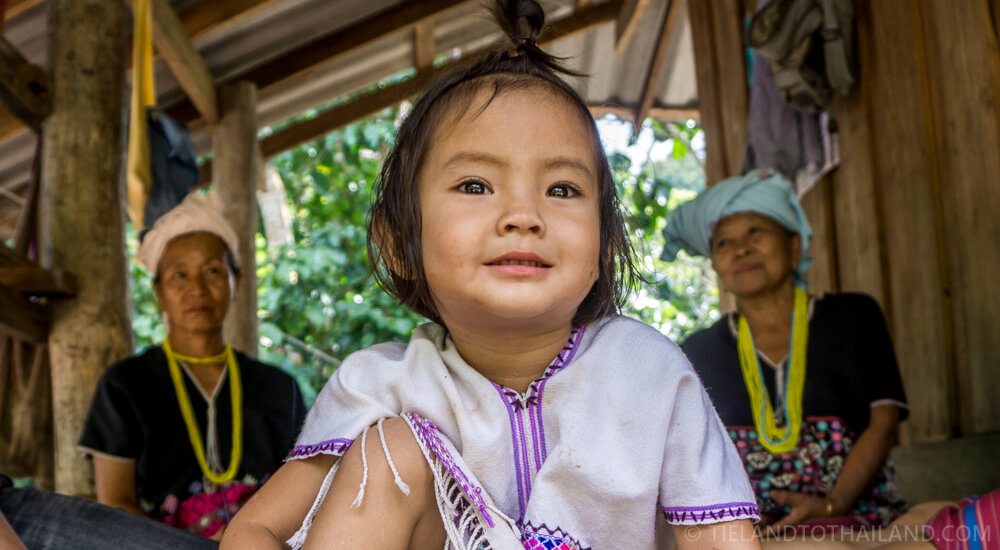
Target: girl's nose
<point>521,214</point>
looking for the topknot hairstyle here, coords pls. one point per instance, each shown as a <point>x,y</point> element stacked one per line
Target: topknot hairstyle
<point>515,63</point>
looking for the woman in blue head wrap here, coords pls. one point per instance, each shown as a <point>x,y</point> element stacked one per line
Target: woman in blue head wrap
<point>808,387</point>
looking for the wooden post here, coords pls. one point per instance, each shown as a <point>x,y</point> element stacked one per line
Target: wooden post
<point>857,198</point>
<point>82,215</point>
<point>817,204</point>
<point>963,73</point>
<point>235,175</point>
<point>905,157</point>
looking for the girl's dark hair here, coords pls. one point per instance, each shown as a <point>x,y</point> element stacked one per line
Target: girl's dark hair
<point>394,231</point>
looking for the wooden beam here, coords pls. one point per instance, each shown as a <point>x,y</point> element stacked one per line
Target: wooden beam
<point>731,68</point>
<point>963,76</point>
<point>17,7</point>
<point>198,20</point>
<point>81,232</point>
<point>22,319</point>
<point>700,16</point>
<point>906,156</point>
<point>237,151</point>
<point>423,45</point>
<point>185,63</point>
<point>23,86</point>
<point>648,93</point>
<point>38,281</point>
<point>298,62</point>
<point>628,21</point>
<point>373,102</point>
<point>204,18</point>
<point>665,114</point>
<point>355,110</point>
<point>10,125</point>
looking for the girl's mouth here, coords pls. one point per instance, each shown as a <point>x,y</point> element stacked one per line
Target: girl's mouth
<point>519,258</point>
<point>528,263</point>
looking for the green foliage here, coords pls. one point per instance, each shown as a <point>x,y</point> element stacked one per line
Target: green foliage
<point>317,302</point>
<point>316,295</point>
<point>679,297</point>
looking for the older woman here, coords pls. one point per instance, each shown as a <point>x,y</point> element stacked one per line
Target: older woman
<point>808,386</point>
<point>186,431</point>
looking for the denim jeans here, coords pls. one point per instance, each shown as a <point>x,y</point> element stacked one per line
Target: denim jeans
<point>49,521</point>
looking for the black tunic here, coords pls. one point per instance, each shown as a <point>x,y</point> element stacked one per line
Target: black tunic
<point>134,415</point>
<point>850,365</point>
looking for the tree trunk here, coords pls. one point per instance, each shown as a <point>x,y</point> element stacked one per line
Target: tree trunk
<point>82,216</point>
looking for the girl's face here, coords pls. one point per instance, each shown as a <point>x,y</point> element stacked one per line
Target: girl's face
<point>509,208</point>
<point>195,284</point>
<point>753,254</point>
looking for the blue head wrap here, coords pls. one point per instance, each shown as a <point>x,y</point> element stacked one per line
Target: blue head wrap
<point>765,192</point>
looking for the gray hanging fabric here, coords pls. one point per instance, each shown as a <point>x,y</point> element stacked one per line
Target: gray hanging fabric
<point>794,143</point>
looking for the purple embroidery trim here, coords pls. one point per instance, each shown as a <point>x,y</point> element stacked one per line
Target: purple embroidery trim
<point>525,461</point>
<point>544,537</point>
<point>716,512</point>
<point>709,507</point>
<point>427,432</point>
<point>570,352</point>
<point>532,406</point>
<point>536,423</point>
<point>517,459</point>
<point>338,446</point>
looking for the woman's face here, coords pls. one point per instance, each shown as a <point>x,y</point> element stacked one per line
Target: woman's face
<point>195,284</point>
<point>753,255</point>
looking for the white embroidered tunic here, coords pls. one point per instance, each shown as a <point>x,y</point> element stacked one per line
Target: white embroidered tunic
<point>614,441</point>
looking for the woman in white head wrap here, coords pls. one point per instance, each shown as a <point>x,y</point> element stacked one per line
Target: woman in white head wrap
<point>808,387</point>
<point>185,432</point>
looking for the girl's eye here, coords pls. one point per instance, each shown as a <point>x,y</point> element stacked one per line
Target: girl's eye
<point>563,191</point>
<point>474,187</point>
<point>721,243</point>
<point>178,275</point>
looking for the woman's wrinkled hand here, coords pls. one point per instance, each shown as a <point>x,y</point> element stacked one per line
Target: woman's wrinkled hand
<point>803,507</point>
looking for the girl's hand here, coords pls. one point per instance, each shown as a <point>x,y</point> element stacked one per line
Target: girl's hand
<point>804,507</point>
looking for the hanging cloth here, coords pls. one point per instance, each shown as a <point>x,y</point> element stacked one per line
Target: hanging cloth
<point>143,96</point>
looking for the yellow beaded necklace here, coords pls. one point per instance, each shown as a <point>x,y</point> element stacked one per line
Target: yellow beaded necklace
<point>773,438</point>
<point>194,434</point>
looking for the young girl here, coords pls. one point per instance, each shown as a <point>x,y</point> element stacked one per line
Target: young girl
<point>527,415</point>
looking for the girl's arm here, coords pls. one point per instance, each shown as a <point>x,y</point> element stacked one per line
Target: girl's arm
<point>863,462</point>
<point>728,535</point>
<point>115,484</point>
<point>276,511</point>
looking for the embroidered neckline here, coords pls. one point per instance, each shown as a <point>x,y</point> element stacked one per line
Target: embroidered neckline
<point>561,361</point>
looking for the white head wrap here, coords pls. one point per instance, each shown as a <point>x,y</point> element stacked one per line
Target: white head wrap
<point>195,214</point>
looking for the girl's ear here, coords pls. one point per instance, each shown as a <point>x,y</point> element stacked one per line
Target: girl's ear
<point>387,250</point>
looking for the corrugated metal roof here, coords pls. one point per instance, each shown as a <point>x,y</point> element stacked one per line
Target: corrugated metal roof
<point>281,26</point>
